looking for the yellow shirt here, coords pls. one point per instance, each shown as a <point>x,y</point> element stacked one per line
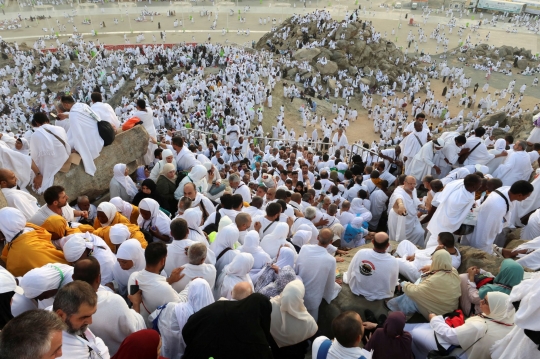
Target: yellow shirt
<point>134,230</point>
<point>31,250</point>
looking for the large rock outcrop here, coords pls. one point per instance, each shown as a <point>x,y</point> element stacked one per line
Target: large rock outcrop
<point>352,51</point>
<point>126,148</point>
<point>346,300</point>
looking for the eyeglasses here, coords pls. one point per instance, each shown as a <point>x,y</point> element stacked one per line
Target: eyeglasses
<point>485,301</point>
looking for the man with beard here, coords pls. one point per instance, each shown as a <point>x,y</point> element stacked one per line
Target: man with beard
<point>155,289</point>
<point>75,303</point>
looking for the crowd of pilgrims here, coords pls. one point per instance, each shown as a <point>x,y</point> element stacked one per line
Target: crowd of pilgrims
<point>219,244</point>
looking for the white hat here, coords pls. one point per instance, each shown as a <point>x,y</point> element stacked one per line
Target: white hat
<point>8,283</point>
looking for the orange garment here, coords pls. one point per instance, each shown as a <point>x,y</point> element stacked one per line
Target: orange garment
<point>134,230</point>
<point>377,181</point>
<point>134,214</point>
<point>58,225</point>
<point>31,250</point>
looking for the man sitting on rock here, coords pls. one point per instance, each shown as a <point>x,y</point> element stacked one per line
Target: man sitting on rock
<point>373,273</point>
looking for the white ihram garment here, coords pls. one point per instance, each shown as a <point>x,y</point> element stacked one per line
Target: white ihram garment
<point>83,135</point>
<point>405,227</point>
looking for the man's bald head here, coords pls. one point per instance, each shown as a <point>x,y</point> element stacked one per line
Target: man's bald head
<point>88,270</point>
<point>381,241</point>
<point>241,291</point>
<point>326,237</point>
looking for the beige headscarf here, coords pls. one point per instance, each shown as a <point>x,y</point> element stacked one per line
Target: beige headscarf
<point>166,169</point>
<point>439,290</point>
<point>480,334</point>
<point>290,321</point>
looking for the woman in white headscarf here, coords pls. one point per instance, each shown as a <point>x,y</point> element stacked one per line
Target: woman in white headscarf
<point>235,272</point>
<point>498,148</point>
<point>224,245</point>
<point>197,175</point>
<point>522,341</point>
<point>272,242</point>
<point>302,235</point>
<point>475,337</point>
<point>153,220</point>
<point>271,272</point>
<point>193,218</point>
<point>174,316</point>
<point>130,258</point>
<point>110,212</point>
<point>291,325</point>
<point>358,207</point>
<point>261,258</point>
<point>121,184</point>
<point>127,210</point>
<point>167,157</point>
<point>22,146</point>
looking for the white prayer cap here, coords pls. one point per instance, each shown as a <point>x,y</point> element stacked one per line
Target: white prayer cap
<point>341,188</point>
<point>75,247</point>
<point>481,168</point>
<point>119,233</point>
<point>438,142</point>
<point>8,283</point>
<point>40,280</point>
<point>12,221</point>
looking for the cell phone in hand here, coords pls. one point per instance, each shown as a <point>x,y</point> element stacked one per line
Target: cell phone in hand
<point>134,288</point>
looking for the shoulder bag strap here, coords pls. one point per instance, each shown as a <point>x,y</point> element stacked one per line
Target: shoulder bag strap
<point>222,253</point>
<point>418,139</point>
<point>58,138</point>
<point>268,226</point>
<point>505,199</point>
<point>322,353</point>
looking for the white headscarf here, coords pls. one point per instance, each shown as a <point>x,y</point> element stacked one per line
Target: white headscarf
<point>45,278</point>
<point>357,206</point>
<point>119,233</point>
<point>148,204</point>
<point>500,144</point>
<point>198,175</point>
<point>193,218</point>
<point>251,246</point>
<point>12,222</point>
<point>225,238</point>
<point>129,250</point>
<point>528,292</point>
<point>122,206</point>
<point>119,174</point>
<point>25,150</point>
<point>302,235</point>
<point>75,247</point>
<point>235,272</point>
<point>292,323</point>
<point>110,211</point>
<point>286,257</point>
<point>199,296</point>
<point>274,240</point>
<point>469,334</point>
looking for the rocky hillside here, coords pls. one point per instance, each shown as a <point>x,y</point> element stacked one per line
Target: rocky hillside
<point>372,56</point>
<point>483,53</point>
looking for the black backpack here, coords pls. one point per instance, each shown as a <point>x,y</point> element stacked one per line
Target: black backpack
<point>106,132</point>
